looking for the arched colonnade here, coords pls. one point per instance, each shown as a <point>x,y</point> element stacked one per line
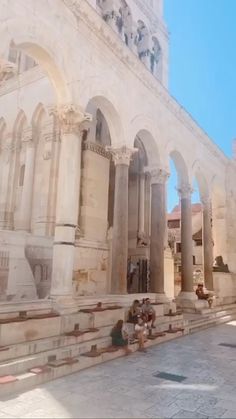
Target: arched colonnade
<point>128,136</point>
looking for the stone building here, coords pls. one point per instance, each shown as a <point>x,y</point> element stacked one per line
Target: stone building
<point>87,130</point>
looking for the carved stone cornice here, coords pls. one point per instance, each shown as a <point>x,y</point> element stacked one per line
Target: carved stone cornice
<point>96,148</point>
<point>70,117</point>
<point>157,176</point>
<point>122,155</point>
<point>185,191</point>
<point>84,11</point>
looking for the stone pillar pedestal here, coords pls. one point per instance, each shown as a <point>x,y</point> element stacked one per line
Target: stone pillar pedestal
<point>187,294</point>
<point>121,157</point>
<point>207,244</point>
<point>24,217</point>
<point>67,207</point>
<point>158,231</point>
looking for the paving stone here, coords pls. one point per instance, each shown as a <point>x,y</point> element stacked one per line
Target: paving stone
<point>229,414</point>
<point>186,414</point>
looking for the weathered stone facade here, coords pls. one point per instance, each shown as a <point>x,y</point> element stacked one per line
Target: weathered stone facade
<point>87,128</point>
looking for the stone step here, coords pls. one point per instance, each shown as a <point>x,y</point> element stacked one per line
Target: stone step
<point>205,323</point>
<point>14,331</point>
<point>52,343</point>
<point>218,308</point>
<point>26,380</point>
<point>19,365</point>
<point>49,344</point>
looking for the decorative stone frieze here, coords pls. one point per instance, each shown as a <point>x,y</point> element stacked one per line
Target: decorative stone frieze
<point>122,155</point>
<point>70,117</point>
<point>96,148</point>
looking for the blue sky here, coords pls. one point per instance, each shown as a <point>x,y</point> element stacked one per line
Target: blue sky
<point>202,74</point>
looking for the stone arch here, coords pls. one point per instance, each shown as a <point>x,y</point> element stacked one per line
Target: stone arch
<point>150,147</point>
<point>201,178</point>
<point>111,116</point>
<point>180,163</point>
<point>37,114</point>
<point>143,128</point>
<point>181,167</point>
<point>39,41</point>
<point>19,125</point>
<point>36,121</point>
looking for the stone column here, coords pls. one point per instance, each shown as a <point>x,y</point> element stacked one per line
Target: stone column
<point>207,243</point>
<point>121,157</point>
<point>24,216</point>
<point>158,230</point>
<point>185,192</point>
<point>141,227</point>
<point>67,207</point>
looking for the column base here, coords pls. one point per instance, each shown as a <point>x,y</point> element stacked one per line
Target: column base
<point>162,298</point>
<point>187,301</point>
<point>65,304</point>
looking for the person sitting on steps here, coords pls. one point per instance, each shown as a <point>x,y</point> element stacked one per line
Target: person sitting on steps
<point>204,296</point>
<point>149,312</point>
<point>119,337</point>
<point>141,332</point>
<point>134,312</point>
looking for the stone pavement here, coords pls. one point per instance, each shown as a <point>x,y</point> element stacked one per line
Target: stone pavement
<point>128,387</point>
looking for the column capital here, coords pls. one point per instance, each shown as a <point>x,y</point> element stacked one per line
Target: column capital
<point>157,175</point>
<point>70,117</point>
<point>206,200</point>
<point>185,190</point>
<point>122,155</point>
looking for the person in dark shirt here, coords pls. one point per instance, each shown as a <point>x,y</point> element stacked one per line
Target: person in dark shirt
<point>204,296</point>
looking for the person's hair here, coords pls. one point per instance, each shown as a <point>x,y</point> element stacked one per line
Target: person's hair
<point>119,325</point>
<point>136,302</point>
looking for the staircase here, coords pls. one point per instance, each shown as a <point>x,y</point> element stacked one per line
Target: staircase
<point>209,317</point>
<point>37,347</point>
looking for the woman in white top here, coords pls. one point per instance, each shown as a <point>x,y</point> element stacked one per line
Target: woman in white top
<point>141,333</point>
